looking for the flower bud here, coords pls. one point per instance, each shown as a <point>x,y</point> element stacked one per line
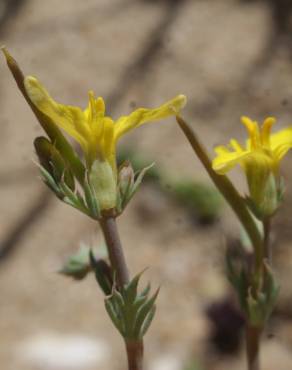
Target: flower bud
<point>126,178</point>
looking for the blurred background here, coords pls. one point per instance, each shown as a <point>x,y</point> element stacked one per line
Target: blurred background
<point>230,57</point>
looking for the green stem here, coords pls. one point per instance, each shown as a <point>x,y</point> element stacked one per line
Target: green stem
<point>135,355</point>
<point>253,336</point>
<point>115,250</point>
<point>228,191</point>
<point>118,263</point>
<point>267,243</point>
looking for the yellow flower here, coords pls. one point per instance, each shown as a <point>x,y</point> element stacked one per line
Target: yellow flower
<point>263,149</point>
<point>260,159</point>
<point>96,133</point>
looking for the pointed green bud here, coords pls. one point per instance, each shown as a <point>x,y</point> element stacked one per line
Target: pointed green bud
<point>51,159</point>
<point>126,178</point>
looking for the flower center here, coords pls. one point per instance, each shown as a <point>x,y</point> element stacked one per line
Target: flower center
<point>259,138</point>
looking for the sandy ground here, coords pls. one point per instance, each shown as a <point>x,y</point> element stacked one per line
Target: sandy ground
<point>224,56</point>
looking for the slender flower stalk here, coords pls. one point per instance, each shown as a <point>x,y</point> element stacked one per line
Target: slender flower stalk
<point>108,225</point>
<point>253,336</point>
<point>102,192</point>
<point>254,333</point>
<point>226,188</point>
<point>115,249</point>
<point>267,242</point>
<point>253,281</point>
<point>135,352</point>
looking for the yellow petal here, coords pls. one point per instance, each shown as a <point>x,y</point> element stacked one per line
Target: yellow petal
<point>281,142</point>
<point>226,159</point>
<point>107,144</point>
<point>236,146</point>
<point>108,135</point>
<point>143,115</point>
<point>70,119</point>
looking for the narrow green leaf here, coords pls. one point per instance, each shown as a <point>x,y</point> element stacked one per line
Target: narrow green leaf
<point>143,312</point>
<point>74,199</point>
<point>147,322</point>
<point>131,288</point>
<point>113,315</point>
<point>50,182</point>
<point>118,298</point>
<point>136,185</point>
<point>139,301</point>
<point>146,291</point>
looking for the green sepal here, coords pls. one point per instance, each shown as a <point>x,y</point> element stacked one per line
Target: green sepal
<point>281,189</point>
<point>85,202</point>
<point>63,192</point>
<point>51,183</point>
<point>139,179</point>
<point>91,200</point>
<point>267,196</point>
<point>73,198</point>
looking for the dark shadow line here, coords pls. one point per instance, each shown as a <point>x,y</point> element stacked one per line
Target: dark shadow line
<point>147,54</point>
<point>122,6</point>
<point>17,177</point>
<point>11,9</point>
<point>26,221</point>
